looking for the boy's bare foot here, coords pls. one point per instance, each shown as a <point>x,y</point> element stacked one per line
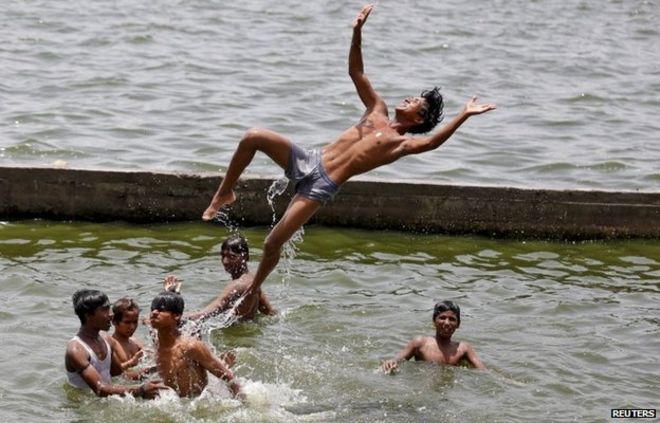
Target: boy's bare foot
<point>218,201</point>
<point>229,357</point>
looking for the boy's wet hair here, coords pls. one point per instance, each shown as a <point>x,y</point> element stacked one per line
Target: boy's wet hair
<point>432,113</point>
<point>168,301</point>
<point>121,306</point>
<point>447,305</point>
<point>86,301</point>
<point>236,244</point>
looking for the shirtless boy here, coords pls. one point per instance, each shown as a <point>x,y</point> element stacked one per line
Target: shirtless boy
<point>127,349</point>
<point>89,361</point>
<point>374,141</point>
<point>234,254</point>
<point>183,361</point>
<point>439,349</point>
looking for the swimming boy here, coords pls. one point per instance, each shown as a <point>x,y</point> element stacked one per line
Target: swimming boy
<point>439,349</point>
<point>183,361</point>
<point>89,360</point>
<point>234,254</point>
<point>374,141</point>
<point>127,349</point>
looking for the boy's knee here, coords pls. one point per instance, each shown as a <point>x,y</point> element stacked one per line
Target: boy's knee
<point>251,135</point>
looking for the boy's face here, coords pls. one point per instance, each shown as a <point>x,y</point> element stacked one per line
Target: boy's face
<point>446,323</point>
<point>231,261</point>
<point>128,324</point>
<point>413,108</point>
<point>101,319</point>
<point>163,319</point>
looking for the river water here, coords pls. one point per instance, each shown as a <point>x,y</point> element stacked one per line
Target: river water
<point>568,331</point>
<point>173,84</point>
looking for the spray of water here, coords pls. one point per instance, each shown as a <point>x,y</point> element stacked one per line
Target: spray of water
<point>276,188</point>
<point>228,222</point>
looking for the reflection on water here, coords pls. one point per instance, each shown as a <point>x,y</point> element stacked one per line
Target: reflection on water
<point>566,329</point>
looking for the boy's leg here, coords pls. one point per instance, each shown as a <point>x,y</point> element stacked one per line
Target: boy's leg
<point>276,146</point>
<point>300,210</point>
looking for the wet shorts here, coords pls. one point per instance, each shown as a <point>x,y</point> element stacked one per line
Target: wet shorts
<point>307,173</point>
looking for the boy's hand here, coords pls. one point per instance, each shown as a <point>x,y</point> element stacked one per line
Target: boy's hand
<point>151,389</point>
<point>170,284</point>
<point>362,16</point>
<point>133,361</point>
<point>472,108</point>
<point>390,366</point>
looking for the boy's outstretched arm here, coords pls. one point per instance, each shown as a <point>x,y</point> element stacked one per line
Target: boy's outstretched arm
<point>408,352</point>
<point>422,144</point>
<point>368,95</point>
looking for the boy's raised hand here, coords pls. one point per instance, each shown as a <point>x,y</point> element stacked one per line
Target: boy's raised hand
<point>472,108</point>
<point>171,284</point>
<point>361,18</point>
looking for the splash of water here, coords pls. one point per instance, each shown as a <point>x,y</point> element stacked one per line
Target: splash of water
<point>276,188</point>
<point>228,222</point>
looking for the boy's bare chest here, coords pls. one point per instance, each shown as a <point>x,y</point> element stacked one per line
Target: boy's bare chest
<point>431,352</point>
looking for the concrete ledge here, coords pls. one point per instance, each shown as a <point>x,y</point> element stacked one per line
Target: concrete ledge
<point>149,197</point>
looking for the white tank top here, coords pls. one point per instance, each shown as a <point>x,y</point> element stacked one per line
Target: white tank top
<point>103,367</point>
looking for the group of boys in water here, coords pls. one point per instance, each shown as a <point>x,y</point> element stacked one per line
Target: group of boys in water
<point>183,362</point>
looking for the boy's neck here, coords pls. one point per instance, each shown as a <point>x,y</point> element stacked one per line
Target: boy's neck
<point>168,336</point>
<point>442,340</point>
<point>88,332</point>
<point>240,272</point>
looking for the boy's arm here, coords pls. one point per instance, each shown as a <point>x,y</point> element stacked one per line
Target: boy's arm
<point>218,305</point>
<point>265,307</point>
<point>367,94</point>
<point>116,367</point>
<point>202,354</point>
<point>77,360</point>
<point>473,358</point>
<point>406,353</point>
<point>421,144</point>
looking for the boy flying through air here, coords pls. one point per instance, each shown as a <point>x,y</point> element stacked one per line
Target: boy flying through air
<point>374,141</point>
<point>439,349</point>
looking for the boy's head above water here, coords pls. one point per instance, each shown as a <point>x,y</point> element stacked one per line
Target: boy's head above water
<point>123,306</point>
<point>168,301</point>
<point>447,305</point>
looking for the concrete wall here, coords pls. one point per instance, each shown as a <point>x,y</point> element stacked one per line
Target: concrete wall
<point>143,197</point>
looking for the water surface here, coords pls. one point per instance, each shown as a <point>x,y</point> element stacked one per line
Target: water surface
<point>567,330</point>
<point>173,84</point>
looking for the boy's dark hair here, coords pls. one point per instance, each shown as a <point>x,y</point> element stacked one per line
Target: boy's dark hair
<point>447,305</point>
<point>86,301</point>
<point>432,113</point>
<point>121,306</point>
<point>236,244</point>
<point>168,301</point>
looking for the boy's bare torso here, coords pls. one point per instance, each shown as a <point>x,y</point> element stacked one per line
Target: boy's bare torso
<point>125,348</point>
<point>365,146</point>
<point>179,370</point>
<point>428,349</point>
<point>238,288</point>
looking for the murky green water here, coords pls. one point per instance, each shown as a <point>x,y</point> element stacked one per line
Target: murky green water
<point>568,331</point>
